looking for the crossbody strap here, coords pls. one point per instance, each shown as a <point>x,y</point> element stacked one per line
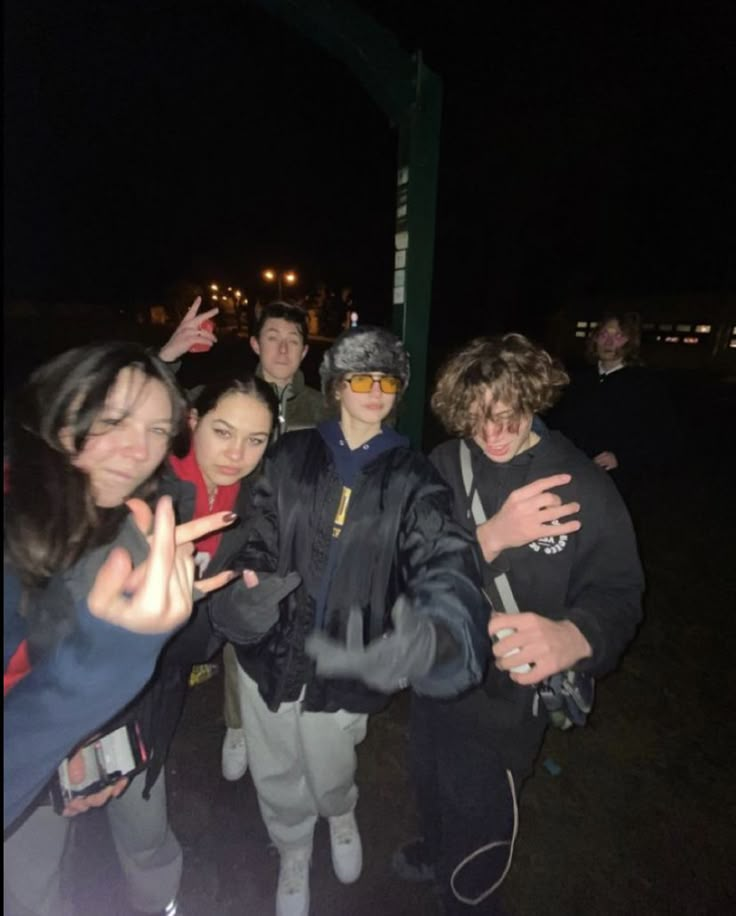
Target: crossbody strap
<point>466,469</point>
<point>501,581</point>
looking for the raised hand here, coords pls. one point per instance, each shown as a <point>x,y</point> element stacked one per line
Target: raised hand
<point>606,460</point>
<point>527,514</point>
<point>548,646</point>
<point>156,596</point>
<point>185,534</point>
<point>188,333</point>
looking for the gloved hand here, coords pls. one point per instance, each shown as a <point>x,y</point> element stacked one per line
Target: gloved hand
<point>243,615</point>
<point>387,664</point>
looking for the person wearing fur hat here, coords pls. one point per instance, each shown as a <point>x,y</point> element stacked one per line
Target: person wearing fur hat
<point>389,598</point>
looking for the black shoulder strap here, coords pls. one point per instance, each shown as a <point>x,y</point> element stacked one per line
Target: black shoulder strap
<point>466,469</point>
<point>501,581</point>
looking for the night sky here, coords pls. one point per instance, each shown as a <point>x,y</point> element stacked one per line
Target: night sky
<point>587,149</point>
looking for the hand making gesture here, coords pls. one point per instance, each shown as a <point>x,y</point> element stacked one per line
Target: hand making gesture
<point>527,514</point>
<point>194,330</point>
<point>155,596</point>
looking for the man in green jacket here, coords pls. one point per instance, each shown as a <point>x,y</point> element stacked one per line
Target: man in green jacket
<point>280,341</point>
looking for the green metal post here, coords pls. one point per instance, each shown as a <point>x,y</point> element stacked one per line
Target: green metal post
<point>419,140</point>
<point>411,96</point>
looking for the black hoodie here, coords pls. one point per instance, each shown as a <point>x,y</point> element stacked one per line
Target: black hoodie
<point>592,577</point>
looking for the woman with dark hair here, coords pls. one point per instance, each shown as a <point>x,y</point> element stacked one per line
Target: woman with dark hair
<point>366,524</point>
<point>230,429</point>
<point>82,628</point>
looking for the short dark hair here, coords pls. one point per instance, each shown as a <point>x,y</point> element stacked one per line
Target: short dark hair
<point>207,397</point>
<point>280,309</point>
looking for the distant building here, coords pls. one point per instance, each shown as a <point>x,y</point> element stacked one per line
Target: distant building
<point>686,331</point>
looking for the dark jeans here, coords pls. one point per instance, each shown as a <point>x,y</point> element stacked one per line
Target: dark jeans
<point>459,770</point>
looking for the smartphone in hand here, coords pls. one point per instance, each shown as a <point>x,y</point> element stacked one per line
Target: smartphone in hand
<point>107,759</point>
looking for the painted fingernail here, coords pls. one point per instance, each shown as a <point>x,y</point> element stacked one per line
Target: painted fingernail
<point>229,517</point>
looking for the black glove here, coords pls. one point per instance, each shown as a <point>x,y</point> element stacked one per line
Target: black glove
<point>243,615</point>
<point>387,664</point>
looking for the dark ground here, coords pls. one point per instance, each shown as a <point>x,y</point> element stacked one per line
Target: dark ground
<point>640,820</point>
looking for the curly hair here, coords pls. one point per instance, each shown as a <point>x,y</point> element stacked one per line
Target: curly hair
<point>516,371</point>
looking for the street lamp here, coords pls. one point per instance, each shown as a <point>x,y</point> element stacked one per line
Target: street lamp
<point>281,277</point>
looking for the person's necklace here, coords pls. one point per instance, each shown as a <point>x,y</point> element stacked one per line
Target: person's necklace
<point>211,498</point>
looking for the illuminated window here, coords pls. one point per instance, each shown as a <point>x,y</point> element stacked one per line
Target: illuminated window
<point>702,329</point>
<point>665,327</point>
<point>684,327</point>
<point>580,334</point>
<point>691,340</point>
<point>594,324</point>
<point>648,326</point>
<point>581,324</point>
<point>672,339</point>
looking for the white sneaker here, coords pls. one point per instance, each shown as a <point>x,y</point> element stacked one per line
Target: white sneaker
<point>347,850</point>
<point>292,893</point>
<point>234,754</point>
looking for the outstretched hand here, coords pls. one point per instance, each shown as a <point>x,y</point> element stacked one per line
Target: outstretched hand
<point>189,332</point>
<point>528,513</point>
<point>252,606</point>
<point>387,664</point>
<point>156,596</point>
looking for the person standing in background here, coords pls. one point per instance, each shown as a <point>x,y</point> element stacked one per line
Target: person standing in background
<point>616,410</point>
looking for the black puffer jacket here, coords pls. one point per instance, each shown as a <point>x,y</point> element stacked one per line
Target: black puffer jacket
<point>398,537</point>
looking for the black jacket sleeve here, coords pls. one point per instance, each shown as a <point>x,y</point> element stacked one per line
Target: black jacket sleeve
<point>442,577</point>
<point>259,552</point>
<point>605,590</point>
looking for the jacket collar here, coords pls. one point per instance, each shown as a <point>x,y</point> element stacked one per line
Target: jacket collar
<point>295,386</point>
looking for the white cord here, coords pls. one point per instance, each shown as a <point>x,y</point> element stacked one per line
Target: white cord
<point>474,901</point>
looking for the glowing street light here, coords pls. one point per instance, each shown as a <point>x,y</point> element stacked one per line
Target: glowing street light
<point>282,277</point>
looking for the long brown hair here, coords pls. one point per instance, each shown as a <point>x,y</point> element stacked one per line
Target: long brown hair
<point>630,324</point>
<point>51,518</point>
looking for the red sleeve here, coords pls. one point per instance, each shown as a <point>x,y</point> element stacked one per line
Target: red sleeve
<point>18,667</point>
